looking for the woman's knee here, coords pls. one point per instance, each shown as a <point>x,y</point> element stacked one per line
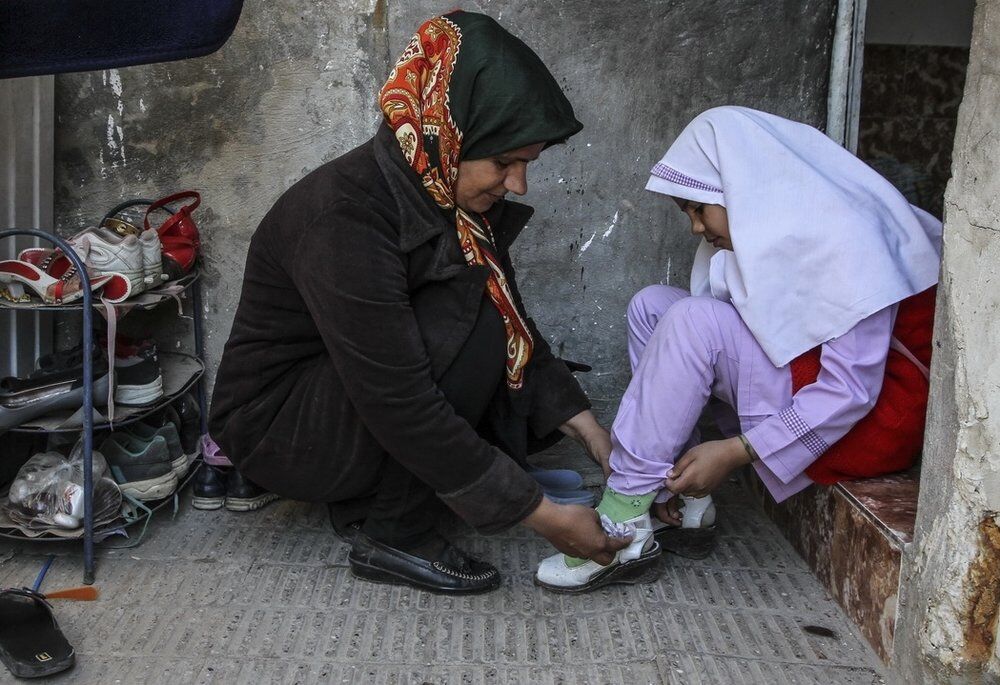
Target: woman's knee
<point>649,304</point>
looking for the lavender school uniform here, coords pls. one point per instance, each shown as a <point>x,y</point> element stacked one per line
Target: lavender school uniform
<point>823,250</point>
<point>685,349</point>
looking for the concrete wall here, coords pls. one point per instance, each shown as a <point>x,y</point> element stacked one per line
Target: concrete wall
<point>948,627</point>
<point>296,84</point>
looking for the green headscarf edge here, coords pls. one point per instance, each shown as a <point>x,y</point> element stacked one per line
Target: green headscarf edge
<point>502,97</point>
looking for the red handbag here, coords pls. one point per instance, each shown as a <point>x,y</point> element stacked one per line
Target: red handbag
<point>889,438</point>
<point>178,234</point>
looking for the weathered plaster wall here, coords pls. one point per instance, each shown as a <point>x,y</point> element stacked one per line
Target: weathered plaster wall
<point>295,86</point>
<point>636,73</point>
<point>948,625</point>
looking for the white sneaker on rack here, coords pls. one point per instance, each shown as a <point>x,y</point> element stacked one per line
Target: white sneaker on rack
<point>152,260</point>
<point>107,252</point>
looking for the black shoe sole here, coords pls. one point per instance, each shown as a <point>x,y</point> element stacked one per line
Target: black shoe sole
<point>690,543</point>
<point>374,574</point>
<point>638,571</point>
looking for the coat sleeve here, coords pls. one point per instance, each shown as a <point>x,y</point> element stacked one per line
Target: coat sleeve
<point>556,395</point>
<point>363,312</point>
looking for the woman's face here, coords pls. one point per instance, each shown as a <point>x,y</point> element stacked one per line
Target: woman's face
<point>709,221</point>
<point>482,182</point>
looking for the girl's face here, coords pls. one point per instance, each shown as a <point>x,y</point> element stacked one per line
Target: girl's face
<point>709,221</point>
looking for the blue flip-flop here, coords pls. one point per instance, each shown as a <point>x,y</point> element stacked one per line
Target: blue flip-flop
<point>584,497</point>
<point>556,479</point>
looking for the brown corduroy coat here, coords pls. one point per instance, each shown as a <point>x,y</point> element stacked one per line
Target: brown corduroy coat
<point>355,299</point>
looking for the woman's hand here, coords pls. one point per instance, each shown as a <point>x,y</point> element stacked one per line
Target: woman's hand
<point>575,530</point>
<point>705,466</point>
<point>585,429</point>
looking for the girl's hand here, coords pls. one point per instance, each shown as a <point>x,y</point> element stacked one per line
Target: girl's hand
<point>703,467</point>
<point>669,512</point>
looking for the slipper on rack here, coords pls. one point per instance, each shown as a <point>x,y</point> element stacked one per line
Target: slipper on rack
<point>63,289</point>
<point>31,644</point>
<point>24,399</point>
<point>56,264</point>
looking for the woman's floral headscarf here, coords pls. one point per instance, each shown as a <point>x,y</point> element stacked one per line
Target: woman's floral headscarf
<point>465,88</point>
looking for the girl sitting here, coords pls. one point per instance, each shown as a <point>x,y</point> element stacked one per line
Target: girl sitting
<point>810,316</point>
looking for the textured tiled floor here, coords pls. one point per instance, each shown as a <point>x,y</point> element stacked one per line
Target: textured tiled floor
<point>267,597</point>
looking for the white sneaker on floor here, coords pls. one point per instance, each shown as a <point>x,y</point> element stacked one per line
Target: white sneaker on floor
<point>698,512</point>
<point>628,564</point>
<point>695,537</point>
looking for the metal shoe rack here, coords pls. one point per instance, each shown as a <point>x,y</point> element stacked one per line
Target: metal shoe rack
<point>193,377</point>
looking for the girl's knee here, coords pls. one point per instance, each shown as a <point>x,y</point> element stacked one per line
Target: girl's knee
<point>652,302</point>
<point>710,317</point>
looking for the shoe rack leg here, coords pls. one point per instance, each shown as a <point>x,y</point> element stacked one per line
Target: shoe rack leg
<point>88,434</point>
<point>88,393</point>
<point>88,410</point>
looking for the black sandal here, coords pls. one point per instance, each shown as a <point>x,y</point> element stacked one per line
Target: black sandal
<point>31,644</point>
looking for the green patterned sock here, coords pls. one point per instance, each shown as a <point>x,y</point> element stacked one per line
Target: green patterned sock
<point>618,508</point>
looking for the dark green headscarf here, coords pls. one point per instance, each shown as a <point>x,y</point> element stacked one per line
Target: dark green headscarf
<point>465,88</point>
<point>501,96</point>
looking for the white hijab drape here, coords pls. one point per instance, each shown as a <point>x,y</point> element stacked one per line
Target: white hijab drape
<point>820,240</point>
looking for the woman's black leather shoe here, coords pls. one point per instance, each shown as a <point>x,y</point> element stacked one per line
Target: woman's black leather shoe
<point>347,531</point>
<point>452,572</point>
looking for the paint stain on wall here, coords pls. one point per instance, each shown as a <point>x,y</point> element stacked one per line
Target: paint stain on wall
<point>984,599</point>
<point>380,15</point>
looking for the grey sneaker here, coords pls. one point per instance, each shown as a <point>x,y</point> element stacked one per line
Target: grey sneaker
<point>141,468</point>
<point>145,432</point>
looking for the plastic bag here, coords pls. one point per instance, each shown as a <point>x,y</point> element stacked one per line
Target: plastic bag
<point>617,530</point>
<point>48,490</point>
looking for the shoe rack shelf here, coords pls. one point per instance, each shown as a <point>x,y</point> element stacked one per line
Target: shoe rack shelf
<point>147,300</point>
<point>181,372</point>
<point>107,531</point>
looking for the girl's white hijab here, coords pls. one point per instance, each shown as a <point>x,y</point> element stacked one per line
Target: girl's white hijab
<point>820,240</point>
